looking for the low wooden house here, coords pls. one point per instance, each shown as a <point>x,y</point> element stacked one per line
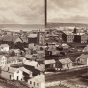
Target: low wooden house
<point>11,73</point>
<point>12,40</point>
<point>33,66</point>
<point>50,63</point>
<point>65,63</point>
<point>83,59</point>
<point>4,47</point>
<point>37,81</point>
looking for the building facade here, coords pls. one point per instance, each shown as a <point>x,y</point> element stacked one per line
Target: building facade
<point>80,38</point>
<point>68,37</point>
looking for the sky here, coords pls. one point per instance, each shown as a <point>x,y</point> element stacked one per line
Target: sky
<point>21,12</point>
<point>67,11</point>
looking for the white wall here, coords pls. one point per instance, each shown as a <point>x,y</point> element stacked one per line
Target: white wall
<point>87,61</point>
<point>20,76</point>
<point>40,80</point>
<point>3,61</point>
<point>5,49</point>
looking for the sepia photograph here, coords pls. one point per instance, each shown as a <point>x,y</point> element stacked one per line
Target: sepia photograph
<point>66,44</point>
<point>22,50</point>
<point>43,44</point>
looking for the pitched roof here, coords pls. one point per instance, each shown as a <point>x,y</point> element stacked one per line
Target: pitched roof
<point>1,56</point>
<point>25,70</point>
<point>15,58</point>
<point>9,38</point>
<point>80,34</point>
<point>83,56</point>
<point>41,67</point>
<point>4,45</point>
<point>32,68</point>
<point>15,50</point>
<point>32,36</point>
<point>50,61</point>
<point>39,79</point>
<point>12,70</point>
<point>5,68</point>
<point>28,56</point>
<point>9,69</point>
<point>65,61</point>
<point>68,33</point>
<point>24,39</point>
<point>31,63</point>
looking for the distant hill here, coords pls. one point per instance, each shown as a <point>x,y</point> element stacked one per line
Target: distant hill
<point>21,25</point>
<point>50,25</point>
<point>16,27</point>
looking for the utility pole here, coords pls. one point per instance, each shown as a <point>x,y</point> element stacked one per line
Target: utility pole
<point>45,13</point>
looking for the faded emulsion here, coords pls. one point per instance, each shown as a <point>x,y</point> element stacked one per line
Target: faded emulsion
<point>22,44</point>
<point>66,44</point>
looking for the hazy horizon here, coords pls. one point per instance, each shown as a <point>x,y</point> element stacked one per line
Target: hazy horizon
<point>58,24</point>
<point>24,27</point>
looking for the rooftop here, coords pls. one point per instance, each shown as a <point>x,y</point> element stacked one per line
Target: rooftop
<point>32,36</point>
<point>4,45</point>
<point>25,70</point>
<point>50,61</point>
<point>10,38</point>
<point>30,63</point>
<point>65,61</point>
<point>9,69</point>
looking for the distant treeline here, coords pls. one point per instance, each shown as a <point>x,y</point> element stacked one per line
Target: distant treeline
<point>50,25</point>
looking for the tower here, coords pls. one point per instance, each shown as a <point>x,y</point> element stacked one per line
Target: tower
<point>75,30</point>
<point>41,37</point>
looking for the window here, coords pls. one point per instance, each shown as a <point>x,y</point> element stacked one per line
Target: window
<point>10,76</point>
<point>37,84</point>
<point>68,36</point>
<point>34,83</point>
<point>30,82</point>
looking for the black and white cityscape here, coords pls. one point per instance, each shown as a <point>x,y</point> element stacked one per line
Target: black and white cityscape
<point>66,38</point>
<point>22,48</point>
<point>43,44</point>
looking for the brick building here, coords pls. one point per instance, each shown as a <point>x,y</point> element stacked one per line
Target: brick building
<point>80,38</point>
<point>68,37</point>
<point>36,38</point>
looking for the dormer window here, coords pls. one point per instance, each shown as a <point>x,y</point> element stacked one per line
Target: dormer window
<point>17,71</point>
